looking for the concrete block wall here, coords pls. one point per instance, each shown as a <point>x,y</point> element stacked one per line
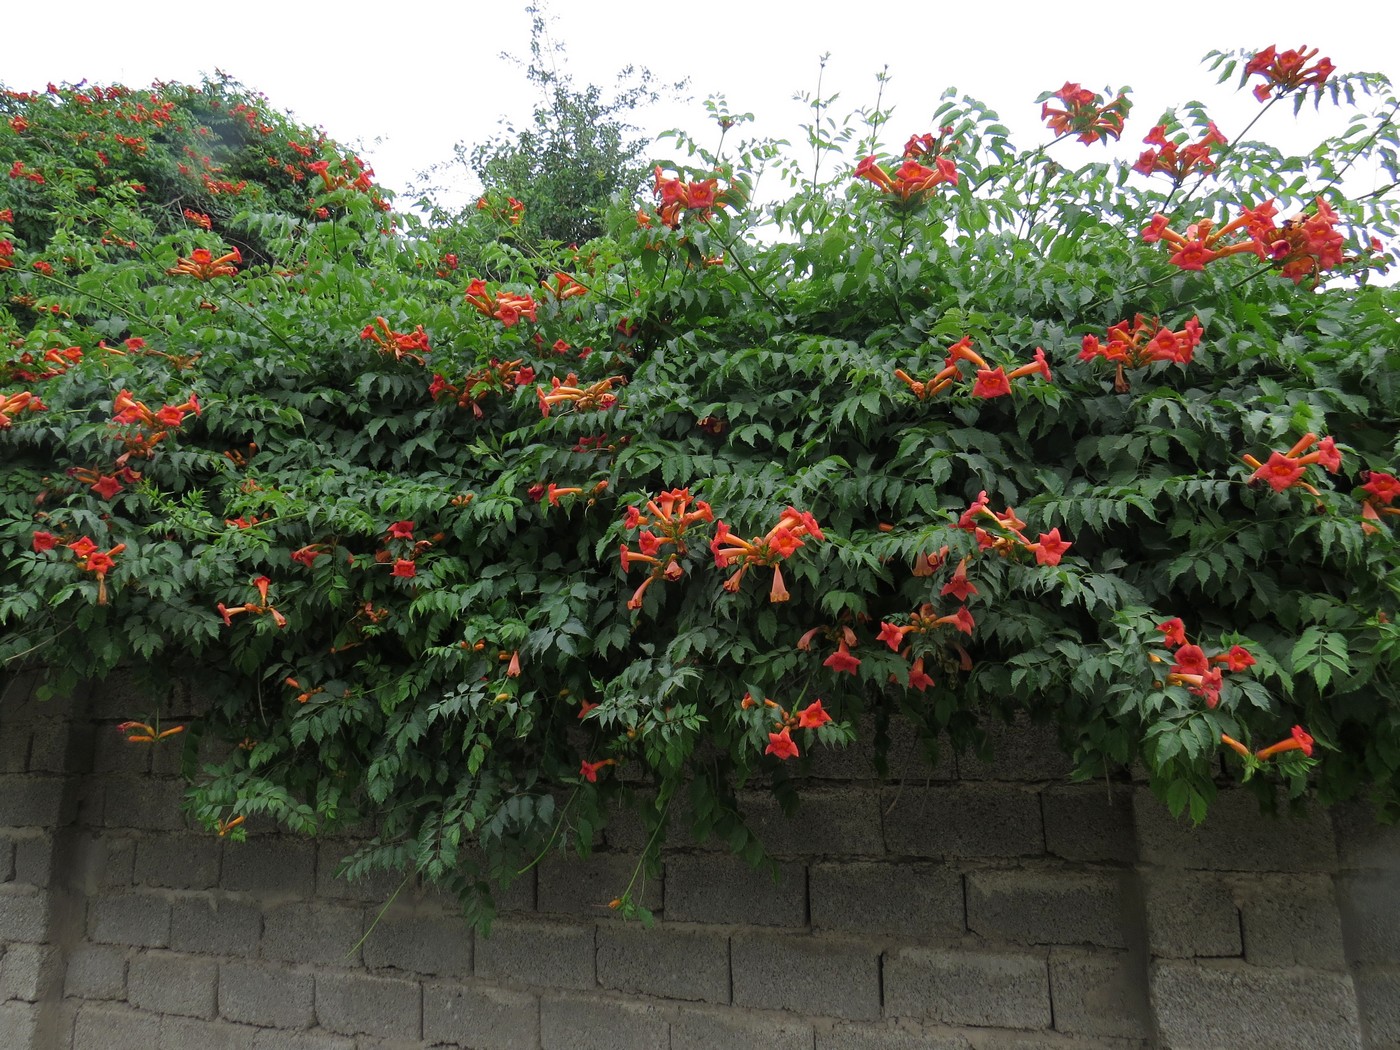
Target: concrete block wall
<point>977,906</point>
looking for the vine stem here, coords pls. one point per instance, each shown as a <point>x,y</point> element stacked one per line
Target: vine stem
<point>744,270</point>
<point>554,834</point>
<point>1230,148</point>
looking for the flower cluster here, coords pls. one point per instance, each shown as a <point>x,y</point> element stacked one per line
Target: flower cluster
<point>512,211</point>
<point>988,383</point>
<point>401,345</point>
<point>55,362</point>
<point>840,661</point>
<point>493,377</point>
<point>400,548</point>
<point>1007,533</point>
<point>19,171</point>
<point>1307,244</point>
<point>1191,668</point>
<point>1142,342</point>
<point>151,427</point>
<point>89,558</point>
<point>664,524</point>
<point>202,266</point>
<point>780,742</point>
<point>1283,470</point>
<point>506,307</point>
<point>912,181</point>
<point>1381,490</point>
<point>925,620</point>
<point>677,196</point>
<point>260,606</point>
<point>1085,114</point>
<point>582,398</point>
<point>1303,246</point>
<point>105,485</point>
<point>304,693</point>
<point>1286,71</point>
<point>563,287</point>
<point>12,404</point>
<point>141,733</point>
<point>770,549</point>
<point>1297,740</point>
<point>1175,160</point>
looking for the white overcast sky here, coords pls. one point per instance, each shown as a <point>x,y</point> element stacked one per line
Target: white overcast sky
<point>406,81</point>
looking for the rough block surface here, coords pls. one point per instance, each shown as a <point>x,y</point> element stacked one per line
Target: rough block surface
<point>1205,1006</point>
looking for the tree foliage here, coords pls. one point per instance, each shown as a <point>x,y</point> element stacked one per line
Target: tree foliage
<point>577,153</point>
<point>479,539</point>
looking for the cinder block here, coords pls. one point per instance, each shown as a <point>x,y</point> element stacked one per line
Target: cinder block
<point>7,859</point>
<point>30,972</point>
<point>1292,920</point>
<point>669,961</point>
<point>185,1033</point>
<point>962,820</point>
<point>270,865</point>
<point>377,887</point>
<point>1092,822</point>
<point>1236,836</point>
<point>574,1022</point>
<point>28,801</point>
<point>117,858</point>
<point>906,899</point>
<point>889,1035</point>
<point>584,885</point>
<point>1378,996</point>
<point>1031,906</point>
<point>1362,841</point>
<point>19,1027</point>
<point>420,944</point>
<point>169,983</point>
<point>547,954</point>
<point>24,914</point>
<point>491,1018</point>
<point>721,888</point>
<point>48,747</point>
<point>723,1029</point>
<point>817,975</point>
<point>328,934</point>
<point>1099,994</point>
<point>14,749</point>
<point>626,831</point>
<point>112,753</point>
<point>1191,914</point>
<point>143,803</point>
<point>215,926</point>
<point>100,1026</point>
<point>961,987</point>
<point>266,1040</point>
<point>34,859</point>
<point>1370,903</point>
<point>1205,1006</point>
<point>263,994</point>
<point>1021,751</point>
<point>906,757</point>
<point>141,919</point>
<point>830,821</point>
<point>96,971</point>
<point>356,1003</point>
<point>181,862</point>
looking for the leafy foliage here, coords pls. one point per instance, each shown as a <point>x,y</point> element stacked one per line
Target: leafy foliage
<point>389,539</point>
<point>576,154</point>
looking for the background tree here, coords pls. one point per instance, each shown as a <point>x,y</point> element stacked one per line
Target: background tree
<point>579,149</point>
